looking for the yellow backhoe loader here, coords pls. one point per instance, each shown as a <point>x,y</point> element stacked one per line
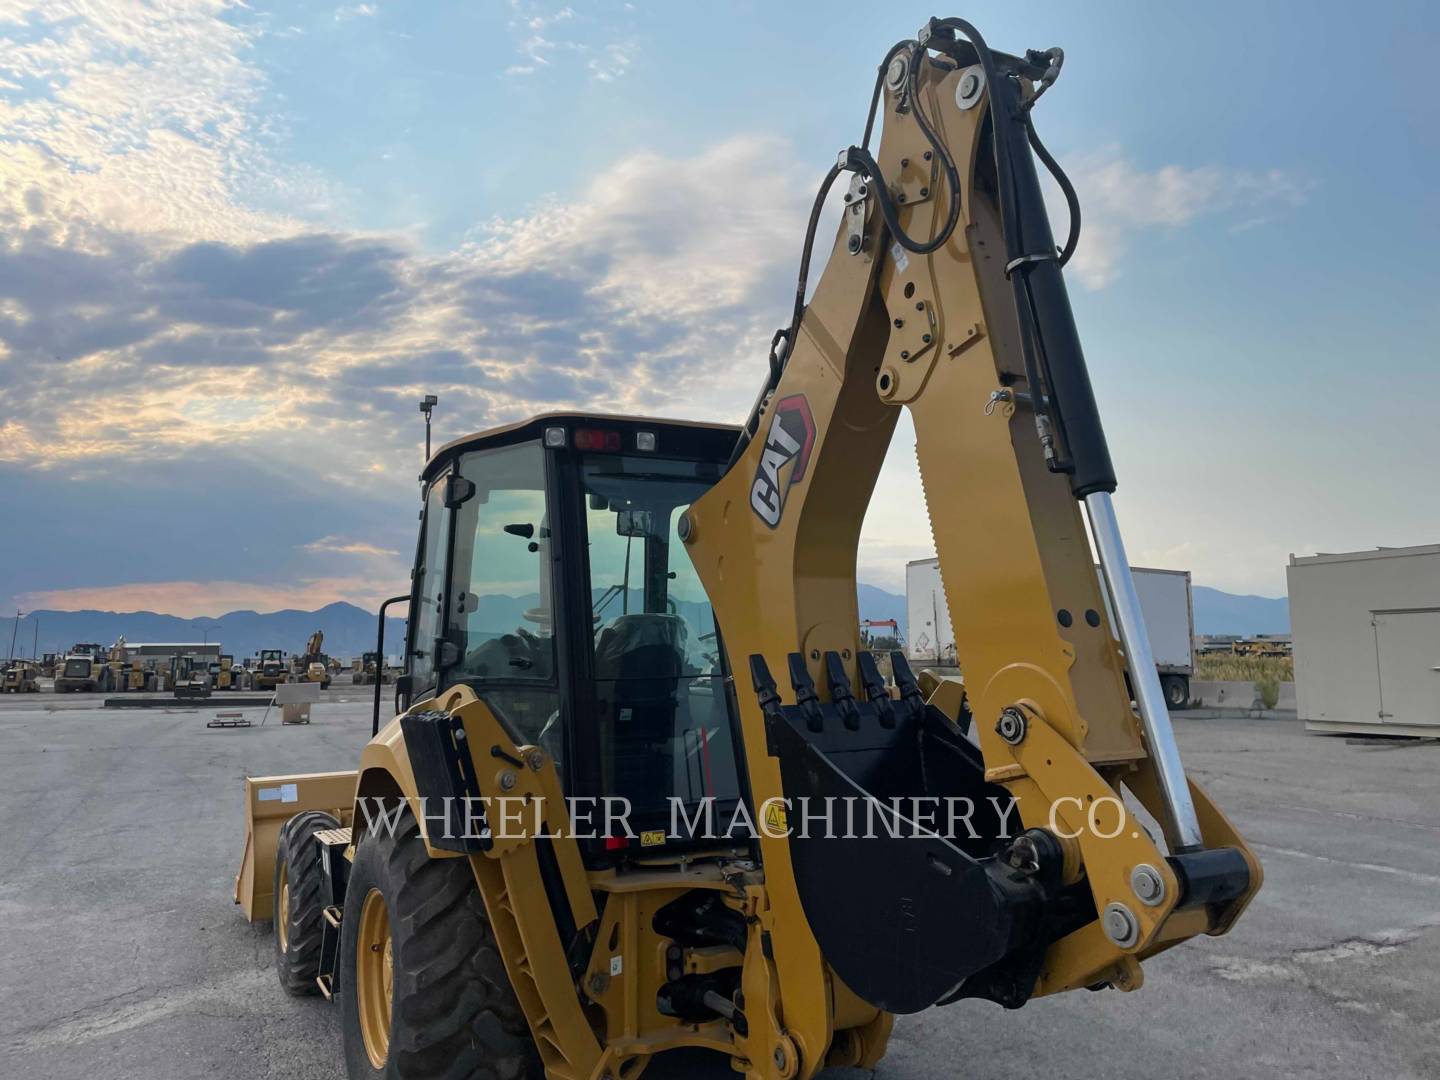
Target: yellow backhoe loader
<point>647,791</point>
<point>371,669</point>
<point>313,665</point>
<point>271,670</point>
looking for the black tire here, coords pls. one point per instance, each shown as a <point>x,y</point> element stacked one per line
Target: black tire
<point>1176,689</point>
<point>297,931</point>
<point>453,1012</point>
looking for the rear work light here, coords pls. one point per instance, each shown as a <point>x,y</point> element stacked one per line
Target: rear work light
<point>595,439</point>
<point>645,440</point>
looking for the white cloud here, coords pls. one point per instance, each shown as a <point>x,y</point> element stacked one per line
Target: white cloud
<point>1119,199</point>
<point>612,63</point>
<point>338,545</point>
<point>145,123</point>
<point>655,289</point>
<point>542,21</point>
<point>356,11</point>
<point>543,30</point>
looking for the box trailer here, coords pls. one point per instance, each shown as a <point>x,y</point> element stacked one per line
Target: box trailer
<point>928,638</point>
<point>1165,600</point>
<point>1366,630</point>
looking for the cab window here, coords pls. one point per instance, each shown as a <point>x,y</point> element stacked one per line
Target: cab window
<point>664,723</point>
<point>500,623</point>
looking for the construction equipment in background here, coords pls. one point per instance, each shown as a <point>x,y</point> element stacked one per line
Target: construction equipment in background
<point>127,674</point>
<point>20,677</point>
<point>317,672</point>
<point>312,665</point>
<point>83,669</point>
<point>47,665</point>
<point>270,670</point>
<point>371,668</point>
<point>223,674</point>
<point>133,677</point>
<point>1264,645</point>
<point>729,908</point>
<point>190,676</point>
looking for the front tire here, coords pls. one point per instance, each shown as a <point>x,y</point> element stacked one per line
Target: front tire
<point>299,902</point>
<point>424,992</point>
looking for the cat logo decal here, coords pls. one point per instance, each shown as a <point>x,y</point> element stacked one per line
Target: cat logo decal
<point>785,458</point>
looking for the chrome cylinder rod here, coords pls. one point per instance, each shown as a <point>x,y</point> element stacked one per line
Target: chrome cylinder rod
<point>1182,830</point>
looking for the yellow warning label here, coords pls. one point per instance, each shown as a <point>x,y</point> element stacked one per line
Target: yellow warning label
<point>775,821</point>
<point>653,838</point>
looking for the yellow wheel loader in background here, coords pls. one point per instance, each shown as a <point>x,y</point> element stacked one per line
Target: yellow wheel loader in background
<point>647,791</point>
<point>84,669</point>
<point>20,677</point>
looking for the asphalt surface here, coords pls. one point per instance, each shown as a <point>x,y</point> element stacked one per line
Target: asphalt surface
<point>124,957</point>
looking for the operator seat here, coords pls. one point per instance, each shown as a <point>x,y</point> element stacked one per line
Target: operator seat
<point>639,665</point>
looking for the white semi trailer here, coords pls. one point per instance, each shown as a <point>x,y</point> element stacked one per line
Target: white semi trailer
<point>1164,598</point>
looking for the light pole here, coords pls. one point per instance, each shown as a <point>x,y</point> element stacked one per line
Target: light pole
<point>15,631</point>
<point>428,402</point>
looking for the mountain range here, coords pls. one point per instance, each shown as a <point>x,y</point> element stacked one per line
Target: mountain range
<point>350,631</point>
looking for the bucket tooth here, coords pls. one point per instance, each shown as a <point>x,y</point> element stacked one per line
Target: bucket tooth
<point>905,680</point>
<point>875,691</point>
<point>806,699</point>
<point>841,696</point>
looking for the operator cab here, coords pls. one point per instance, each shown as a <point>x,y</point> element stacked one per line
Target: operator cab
<point>550,577</point>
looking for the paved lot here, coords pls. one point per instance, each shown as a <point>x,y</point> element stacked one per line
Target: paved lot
<point>123,956</point>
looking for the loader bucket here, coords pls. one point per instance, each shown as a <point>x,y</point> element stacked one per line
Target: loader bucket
<point>270,801</point>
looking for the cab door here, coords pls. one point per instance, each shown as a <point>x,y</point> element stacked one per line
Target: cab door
<point>499,616</point>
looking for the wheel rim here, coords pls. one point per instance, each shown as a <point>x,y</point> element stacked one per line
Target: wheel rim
<point>282,917</point>
<point>374,977</point>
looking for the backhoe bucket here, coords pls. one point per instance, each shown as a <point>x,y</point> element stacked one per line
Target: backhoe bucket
<point>895,787</point>
<point>270,801</point>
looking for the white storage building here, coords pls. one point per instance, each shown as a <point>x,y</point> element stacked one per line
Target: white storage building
<point>1367,640</point>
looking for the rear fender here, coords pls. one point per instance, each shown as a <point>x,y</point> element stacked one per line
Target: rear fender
<point>386,775</point>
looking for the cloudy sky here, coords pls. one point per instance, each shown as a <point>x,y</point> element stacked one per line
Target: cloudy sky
<point>238,242</point>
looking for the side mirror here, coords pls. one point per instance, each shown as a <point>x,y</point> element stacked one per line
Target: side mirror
<point>632,522</point>
<point>458,490</point>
